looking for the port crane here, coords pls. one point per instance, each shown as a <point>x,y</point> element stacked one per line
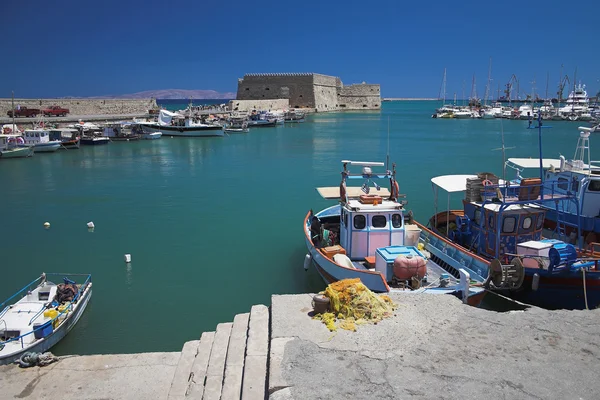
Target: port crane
<point>509,85</point>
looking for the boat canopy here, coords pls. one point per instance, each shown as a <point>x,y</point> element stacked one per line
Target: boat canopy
<point>165,117</point>
<point>333,192</point>
<point>535,162</point>
<point>452,183</point>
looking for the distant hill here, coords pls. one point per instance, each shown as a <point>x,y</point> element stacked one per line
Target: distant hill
<point>175,94</point>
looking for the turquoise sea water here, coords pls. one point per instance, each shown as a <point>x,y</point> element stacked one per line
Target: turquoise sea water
<point>214,224</point>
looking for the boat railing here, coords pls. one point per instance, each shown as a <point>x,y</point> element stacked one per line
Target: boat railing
<point>4,311</point>
<point>66,310</point>
<point>25,288</point>
<point>37,314</point>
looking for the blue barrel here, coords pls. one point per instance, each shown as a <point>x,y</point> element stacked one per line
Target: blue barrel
<point>561,254</point>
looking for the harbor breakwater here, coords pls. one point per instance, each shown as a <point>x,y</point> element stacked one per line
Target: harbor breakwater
<point>84,106</point>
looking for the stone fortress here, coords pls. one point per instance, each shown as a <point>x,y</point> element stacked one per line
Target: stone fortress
<point>310,91</point>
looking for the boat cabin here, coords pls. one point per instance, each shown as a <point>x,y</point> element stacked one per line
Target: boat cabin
<point>496,216</point>
<point>371,216</point>
<point>36,136</point>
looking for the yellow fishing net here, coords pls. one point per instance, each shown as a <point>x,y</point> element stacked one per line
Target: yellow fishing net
<point>353,303</point>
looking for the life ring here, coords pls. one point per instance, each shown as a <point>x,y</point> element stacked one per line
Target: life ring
<point>487,182</point>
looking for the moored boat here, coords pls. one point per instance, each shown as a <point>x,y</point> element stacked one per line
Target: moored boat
<point>44,314</point>
<point>503,222</point>
<point>69,137</point>
<point>369,236</point>
<point>174,124</point>
<point>39,141</point>
<point>9,147</point>
<point>94,140</point>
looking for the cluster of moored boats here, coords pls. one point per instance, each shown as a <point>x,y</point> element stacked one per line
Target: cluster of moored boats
<point>531,240</point>
<point>16,142</point>
<point>576,108</point>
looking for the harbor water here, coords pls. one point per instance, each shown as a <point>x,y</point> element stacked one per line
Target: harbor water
<point>214,225</point>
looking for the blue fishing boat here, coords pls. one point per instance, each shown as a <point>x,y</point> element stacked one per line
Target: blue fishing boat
<point>370,236</point>
<point>38,316</point>
<point>503,222</point>
<point>577,178</point>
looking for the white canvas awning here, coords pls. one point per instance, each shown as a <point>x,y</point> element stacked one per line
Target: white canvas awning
<point>452,183</point>
<point>535,162</point>
<point>333,192</point>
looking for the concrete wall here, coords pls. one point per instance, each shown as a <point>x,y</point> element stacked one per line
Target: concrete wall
<point>298,88</point>
<point>315,91</point>
<point>249,105</point>
<point>85,106</point>
<point>360,96</point>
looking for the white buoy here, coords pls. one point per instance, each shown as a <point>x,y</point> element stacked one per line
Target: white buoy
<point>46,225</point>
<point>90,225</point>
<point>535,281</point>
<point>127,258</point>
<point>307,260</point>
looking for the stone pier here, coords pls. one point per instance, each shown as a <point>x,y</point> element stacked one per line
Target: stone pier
<point>433,347</point>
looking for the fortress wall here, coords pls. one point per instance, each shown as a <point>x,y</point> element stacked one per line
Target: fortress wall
<point>360,96</point>
<point>266,105</point>
<point>85,106</point>
<point>325,91</point>
<point>298,88</point>
<point>315,91</point>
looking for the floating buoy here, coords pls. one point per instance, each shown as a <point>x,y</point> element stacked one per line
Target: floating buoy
<point>90,225</point>
<point>307,260</point>
<point>127,258</point>
<point>535,281</point>
<point>46,225</point>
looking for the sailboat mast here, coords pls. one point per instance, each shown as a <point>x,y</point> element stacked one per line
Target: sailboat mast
<point>487,86</point>
<point>13,109</point>
<point>442,94</point>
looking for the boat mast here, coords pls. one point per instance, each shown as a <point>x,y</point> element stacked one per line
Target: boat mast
<point>487,86</point>
<point>443,89</point>
<point>13,110</point>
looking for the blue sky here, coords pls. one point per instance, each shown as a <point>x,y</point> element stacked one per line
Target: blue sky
<point>94,48</point>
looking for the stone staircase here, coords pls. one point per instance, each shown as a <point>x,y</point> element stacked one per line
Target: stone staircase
<point>230,363</point>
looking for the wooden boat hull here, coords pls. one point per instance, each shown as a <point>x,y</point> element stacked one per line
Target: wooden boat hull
<point>181,131</point>
<point>262,124</point>
<point>43,345</point>
<point>151,136</point>
<point>46,147</point>
<point>70,144</point>
<point>17,152</point>
<point>561,289</point>
<point>96,141</point>
<point>332,272</point>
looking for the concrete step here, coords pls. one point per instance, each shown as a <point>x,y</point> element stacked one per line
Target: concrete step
<point>195,389</point>
<point>255,365</point>
<point>216,363</point>
<point>234,363</point>
<point>182,371</point>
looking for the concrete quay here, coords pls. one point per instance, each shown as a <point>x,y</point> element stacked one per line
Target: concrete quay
<point>433,347</point>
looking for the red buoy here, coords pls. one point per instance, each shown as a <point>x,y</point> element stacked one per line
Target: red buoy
<point>405,267</point>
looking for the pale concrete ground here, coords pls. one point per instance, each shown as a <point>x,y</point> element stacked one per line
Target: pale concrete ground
<point>435,348</point>
<point>99,377</point>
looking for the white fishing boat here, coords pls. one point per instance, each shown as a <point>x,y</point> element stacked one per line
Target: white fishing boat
<point>175,124</point>
<point>39,141</point>
<point>43,314</point>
